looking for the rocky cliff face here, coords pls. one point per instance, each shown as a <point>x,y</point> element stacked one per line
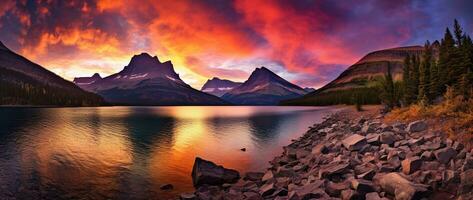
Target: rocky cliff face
<point>263,87</point>
<point>219,87</point>
<point>147,81</point>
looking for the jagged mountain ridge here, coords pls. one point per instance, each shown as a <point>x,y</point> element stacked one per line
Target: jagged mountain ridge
<point>263,87</point>
<point>219,87</point>
<point>147,81</point>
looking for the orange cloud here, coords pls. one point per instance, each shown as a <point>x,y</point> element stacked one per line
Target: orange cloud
<point>309,40</point>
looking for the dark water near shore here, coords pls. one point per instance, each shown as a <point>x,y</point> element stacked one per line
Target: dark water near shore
<point>129,152</point>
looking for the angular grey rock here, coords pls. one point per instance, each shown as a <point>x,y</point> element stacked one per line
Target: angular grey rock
<point>284,172</point>
<point>370,128</point>
<point>387,138</point>
<point>207,172</point>
<point>267,189</point>
<point>373,138</point>
<point>414,141</point>
<point>335,189</point>
<point>444,155</point>
<point>267,176</point>
<point>368,175</point>
<point>310,191</point>
<point>333,169</point>
<point>385,127</point>
<point>354,142</point>
<point>252,195</point>
<point>417,126</point>
<point>253,176</point>
<point>362,186</point>
<point>320,149</point>
<point>468,164</point>
<point>401,188</point>
<point>411,165</point>
<point>427,156</point>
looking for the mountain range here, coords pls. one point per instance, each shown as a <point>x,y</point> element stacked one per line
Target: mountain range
<point>23,82</point>
<point>219,87</point>
<point>146,81</point>
<point>263,87</point>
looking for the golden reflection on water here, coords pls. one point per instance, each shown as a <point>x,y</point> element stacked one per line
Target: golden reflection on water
<point>94,150</point>
<point>192,137</point>
<point>61,154</point>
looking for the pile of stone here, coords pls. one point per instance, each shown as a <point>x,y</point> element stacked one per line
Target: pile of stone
<point>343,158</point>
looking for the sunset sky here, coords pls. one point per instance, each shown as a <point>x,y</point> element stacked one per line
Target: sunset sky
<point>306,42</point>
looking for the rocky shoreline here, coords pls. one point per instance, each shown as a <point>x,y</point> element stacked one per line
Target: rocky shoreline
<point>350,157</point>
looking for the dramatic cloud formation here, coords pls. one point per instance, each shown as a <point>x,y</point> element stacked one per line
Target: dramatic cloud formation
<point>307,42</point>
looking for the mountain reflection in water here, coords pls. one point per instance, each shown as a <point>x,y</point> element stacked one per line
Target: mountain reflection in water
<point>129,152</point>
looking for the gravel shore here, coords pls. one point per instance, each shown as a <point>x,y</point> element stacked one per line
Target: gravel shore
<point>351,156</point>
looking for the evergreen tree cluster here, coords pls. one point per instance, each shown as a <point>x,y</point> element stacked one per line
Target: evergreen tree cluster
<point>19,89</point>
<point>448,63</point>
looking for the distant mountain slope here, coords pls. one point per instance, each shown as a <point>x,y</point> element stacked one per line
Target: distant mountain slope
<point>23,82</point>
<point>87,80</point>
<point>263,87</point>
<point>147,81</point>
<point>360,77</point>
<point>219,87</point>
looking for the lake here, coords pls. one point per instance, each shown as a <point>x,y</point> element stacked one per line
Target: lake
<point>129,152</point>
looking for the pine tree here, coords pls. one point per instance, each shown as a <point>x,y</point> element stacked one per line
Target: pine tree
<point>388,91</point>
<point>446,47</point>
<point>457,29</point>
<point>414,85</point>
<point>406,81</point>
<point>434,81</point>
<point>424,74</point>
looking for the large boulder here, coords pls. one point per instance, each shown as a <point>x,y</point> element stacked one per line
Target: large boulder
<point>207,172</point>
<point>417,126</point>
<point>354,142</point>
<point>444,155</point>
<point>401,188</point>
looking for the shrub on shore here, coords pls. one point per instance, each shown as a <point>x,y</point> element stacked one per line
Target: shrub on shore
<point>453,115</point>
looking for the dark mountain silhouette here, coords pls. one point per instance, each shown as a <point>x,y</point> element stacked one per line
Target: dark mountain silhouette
<point>218,87</point>
<point>147,81</point>
<point>23,82</point>
<point>263,87</point>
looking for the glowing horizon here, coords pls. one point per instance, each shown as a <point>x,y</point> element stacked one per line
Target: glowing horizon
<point>306,42</point>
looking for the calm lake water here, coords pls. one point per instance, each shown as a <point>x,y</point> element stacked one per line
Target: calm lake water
<point>129,152</point>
